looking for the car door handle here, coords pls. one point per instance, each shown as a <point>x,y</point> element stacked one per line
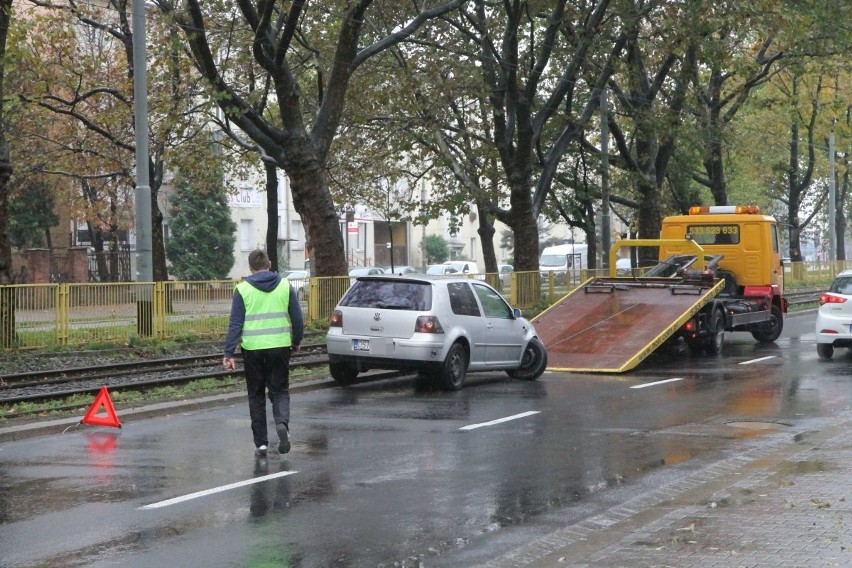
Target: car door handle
<point>489,325</point>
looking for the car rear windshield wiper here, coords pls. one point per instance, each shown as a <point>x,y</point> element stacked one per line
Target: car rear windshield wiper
<point>393,306</point>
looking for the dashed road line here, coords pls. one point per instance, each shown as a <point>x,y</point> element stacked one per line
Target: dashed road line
<point>214,490</point>
<point>758,360</point>
<point>655,383</point>
<point>499,420</point>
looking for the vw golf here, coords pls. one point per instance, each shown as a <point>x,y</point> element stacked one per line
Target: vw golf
<point>439,326</point>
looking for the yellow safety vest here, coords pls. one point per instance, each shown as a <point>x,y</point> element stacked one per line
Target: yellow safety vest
<point>267,322</point>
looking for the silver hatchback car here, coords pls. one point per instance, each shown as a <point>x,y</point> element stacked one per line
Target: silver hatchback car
<point>440,326</point>
<point>834,317</point>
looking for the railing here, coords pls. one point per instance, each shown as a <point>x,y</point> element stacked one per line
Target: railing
<point>76,314</point>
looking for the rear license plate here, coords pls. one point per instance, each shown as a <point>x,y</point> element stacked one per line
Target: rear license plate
<point>360,345</point>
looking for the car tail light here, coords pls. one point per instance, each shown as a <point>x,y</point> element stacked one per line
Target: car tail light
<point>428,324</point>
<point>831,299</point>
<point>336,319</point>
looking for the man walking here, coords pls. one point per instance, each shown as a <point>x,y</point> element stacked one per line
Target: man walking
<point>267,322</point>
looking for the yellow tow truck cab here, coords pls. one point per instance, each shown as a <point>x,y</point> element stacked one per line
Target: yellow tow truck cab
<point>747,240</point>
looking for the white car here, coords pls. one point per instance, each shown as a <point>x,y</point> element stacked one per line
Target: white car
<point>300,280</point>
<point>439,326</point>
<point>834,317</point>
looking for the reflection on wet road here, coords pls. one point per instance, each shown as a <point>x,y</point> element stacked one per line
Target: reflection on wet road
<point>398,474</point>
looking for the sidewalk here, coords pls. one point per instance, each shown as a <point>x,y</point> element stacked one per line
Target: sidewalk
<point>784,504</point>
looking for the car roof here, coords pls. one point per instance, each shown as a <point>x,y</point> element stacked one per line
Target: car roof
<point>419,277</point>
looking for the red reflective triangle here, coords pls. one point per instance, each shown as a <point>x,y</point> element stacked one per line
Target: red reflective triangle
<point>101,401</point>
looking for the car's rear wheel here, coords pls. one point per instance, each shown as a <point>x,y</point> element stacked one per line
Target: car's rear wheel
<point>825,350</point>
<point>342,373</point>
<point>533,362</point>
<point>452,373</point>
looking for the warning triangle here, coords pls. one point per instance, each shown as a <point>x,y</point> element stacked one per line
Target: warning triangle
<point>93,417</point>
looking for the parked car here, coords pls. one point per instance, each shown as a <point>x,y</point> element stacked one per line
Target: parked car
<point>834,317</point>
<point>623,267</point>
<point>401,270</point>
<point>504,272</point>
<point>440,269</point>
<point>300,280</point>
<point>366,271</point>
<point>442,327</point>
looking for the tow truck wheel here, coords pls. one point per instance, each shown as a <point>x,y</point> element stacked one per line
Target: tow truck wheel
<point>825,350</point>
<point>769,331</point>
<point>716,339</point>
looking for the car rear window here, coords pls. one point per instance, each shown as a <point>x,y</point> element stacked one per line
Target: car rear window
<point>842,285</point>
<point>388,294</point>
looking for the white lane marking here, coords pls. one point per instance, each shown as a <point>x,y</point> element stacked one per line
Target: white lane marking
<point>499,420</point>
<point>758,360</point>
<point>655,383</point>
<point>219,489</point>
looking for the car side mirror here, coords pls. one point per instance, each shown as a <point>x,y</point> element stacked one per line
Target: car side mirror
<point>516,313</point>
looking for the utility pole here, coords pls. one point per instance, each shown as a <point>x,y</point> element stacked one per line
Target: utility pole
<point>142,193</point>
<point>606,229</point>
<point>832,196</point>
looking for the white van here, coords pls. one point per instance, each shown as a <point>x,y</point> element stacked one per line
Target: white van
<point>562,258</point>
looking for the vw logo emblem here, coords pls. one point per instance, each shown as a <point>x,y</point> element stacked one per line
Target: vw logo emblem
<point>377,316</point>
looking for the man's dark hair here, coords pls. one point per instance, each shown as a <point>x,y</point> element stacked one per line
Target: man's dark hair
<point>258,260</point>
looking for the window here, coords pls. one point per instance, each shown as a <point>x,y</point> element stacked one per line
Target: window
<point>389,295</point>
<point>493,304</point>
<point>462,300</point>
<point>246,234</point>
<point>297,233</point>
<point>362,237</point>
<point>473,250</point>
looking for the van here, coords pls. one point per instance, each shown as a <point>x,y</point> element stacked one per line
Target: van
<point>562,258</point>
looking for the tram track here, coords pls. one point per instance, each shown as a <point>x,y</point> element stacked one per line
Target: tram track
<point>145,374</point>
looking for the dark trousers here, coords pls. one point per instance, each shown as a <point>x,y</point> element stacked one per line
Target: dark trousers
<point>267,369</point>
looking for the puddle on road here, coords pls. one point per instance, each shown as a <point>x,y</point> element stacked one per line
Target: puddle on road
<point>757,425</point>
<point>804,466</point>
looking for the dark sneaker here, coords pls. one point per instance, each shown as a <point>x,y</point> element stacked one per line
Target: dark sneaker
<point>260,451</point>
<point>283,438</point>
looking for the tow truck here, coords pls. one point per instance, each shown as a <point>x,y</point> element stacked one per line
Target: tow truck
<point>719,270</point>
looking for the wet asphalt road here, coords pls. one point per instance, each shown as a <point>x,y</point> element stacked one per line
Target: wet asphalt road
<point>395,473</point>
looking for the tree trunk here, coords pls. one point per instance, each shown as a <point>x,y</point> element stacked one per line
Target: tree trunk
<point>486,237</point>
<point>842,193</point>
<point>272,213</point>
<point>312,201</point>
<point>715,168</point>
<point>523,224</point>
<point>650,222</point>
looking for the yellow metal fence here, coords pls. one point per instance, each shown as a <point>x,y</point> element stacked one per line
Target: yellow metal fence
<point>71,314</point>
